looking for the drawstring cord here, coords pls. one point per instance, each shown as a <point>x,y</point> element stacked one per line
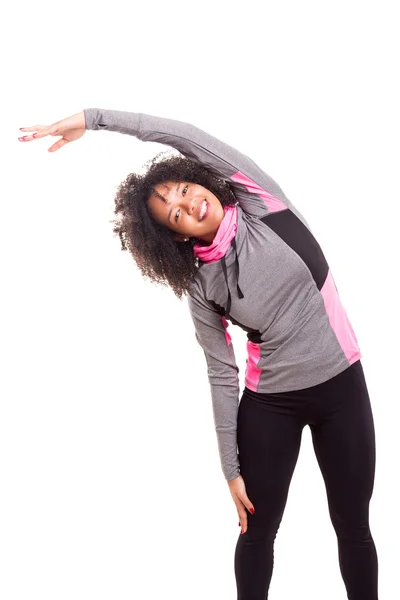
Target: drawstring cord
<point>228,304</point>
<point>239,291</point>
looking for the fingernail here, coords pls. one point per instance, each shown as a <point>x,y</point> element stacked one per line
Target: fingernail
<point>239,523</point>
<point>251,510</point>
<point>242,531</point>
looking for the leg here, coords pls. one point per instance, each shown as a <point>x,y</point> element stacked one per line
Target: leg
<point>344,443</point>
<point>269,438</point>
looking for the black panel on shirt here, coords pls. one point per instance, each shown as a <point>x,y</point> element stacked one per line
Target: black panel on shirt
<point>218,308</point>
<point>296,235</point>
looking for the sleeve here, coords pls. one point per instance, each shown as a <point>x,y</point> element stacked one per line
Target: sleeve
<point>211,333</point>
<point>257,193</point>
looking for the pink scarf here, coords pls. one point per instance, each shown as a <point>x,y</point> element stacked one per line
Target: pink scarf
<point>221,242</point>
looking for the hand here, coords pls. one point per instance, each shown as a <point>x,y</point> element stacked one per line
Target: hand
<point>238,491</point>
<point>71,129</point>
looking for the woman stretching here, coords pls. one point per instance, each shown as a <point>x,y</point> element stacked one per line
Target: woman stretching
<point>213,226</point>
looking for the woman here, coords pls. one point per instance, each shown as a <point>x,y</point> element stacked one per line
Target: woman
<point>212,225</point>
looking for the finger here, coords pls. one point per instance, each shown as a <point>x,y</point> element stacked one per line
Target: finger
<point>52,130</point>
<point>247,503</point>
<point>34,128</point>
<point>58,145</point>
<point>35,136</point>
<point>26,138</point>
<point>243,522</point>
<point>242,516</point>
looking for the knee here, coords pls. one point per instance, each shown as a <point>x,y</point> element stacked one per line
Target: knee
<point>351,526</point>
<point>263,526</point>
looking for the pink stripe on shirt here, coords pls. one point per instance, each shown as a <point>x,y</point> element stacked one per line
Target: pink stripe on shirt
<point>272,203</point>
<point>227,335</point>
<point>339,320</point>
<point>253,373</point>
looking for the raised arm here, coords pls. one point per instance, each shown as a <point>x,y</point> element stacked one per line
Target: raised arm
<point>257,193</point>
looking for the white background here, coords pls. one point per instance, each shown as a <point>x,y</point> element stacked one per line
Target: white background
<point>111,486</point>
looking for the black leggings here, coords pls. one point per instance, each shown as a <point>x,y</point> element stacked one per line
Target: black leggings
<point>270,426</point>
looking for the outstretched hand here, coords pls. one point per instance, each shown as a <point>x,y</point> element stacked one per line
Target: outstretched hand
<point>71,129</point>
<point>238,491</point>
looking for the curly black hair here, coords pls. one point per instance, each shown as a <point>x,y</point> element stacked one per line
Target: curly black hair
<point>158,256</point>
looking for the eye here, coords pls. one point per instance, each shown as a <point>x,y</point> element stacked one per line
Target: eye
<point>185,189</point>
<point>177,214</point>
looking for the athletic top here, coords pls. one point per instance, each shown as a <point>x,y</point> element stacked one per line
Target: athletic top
<point>264,272</point>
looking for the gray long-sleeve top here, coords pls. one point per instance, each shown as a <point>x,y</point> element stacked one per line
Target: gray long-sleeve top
<point>298,332</point>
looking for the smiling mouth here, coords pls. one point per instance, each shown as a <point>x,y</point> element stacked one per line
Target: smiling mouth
<point>203,210</point>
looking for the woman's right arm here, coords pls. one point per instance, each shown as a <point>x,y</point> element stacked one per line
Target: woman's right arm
<point>257,193</point>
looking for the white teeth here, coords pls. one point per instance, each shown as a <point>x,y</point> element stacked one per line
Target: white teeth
<point>203,209</point>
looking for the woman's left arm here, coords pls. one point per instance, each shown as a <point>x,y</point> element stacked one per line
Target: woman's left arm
<point>257,193</point>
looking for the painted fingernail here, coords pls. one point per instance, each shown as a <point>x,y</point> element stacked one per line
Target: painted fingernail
<point>241,531</point>
<point>239,523</point>
<point>251,510</point>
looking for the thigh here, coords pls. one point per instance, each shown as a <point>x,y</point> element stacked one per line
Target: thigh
<point>344,441</point>
<point>269,439</point>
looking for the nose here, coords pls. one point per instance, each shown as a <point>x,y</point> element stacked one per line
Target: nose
<point>190,204</point>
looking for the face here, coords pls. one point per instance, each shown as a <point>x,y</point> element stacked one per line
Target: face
<point>186,208</point>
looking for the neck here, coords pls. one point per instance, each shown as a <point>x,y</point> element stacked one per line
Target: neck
<point>208,239</point>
